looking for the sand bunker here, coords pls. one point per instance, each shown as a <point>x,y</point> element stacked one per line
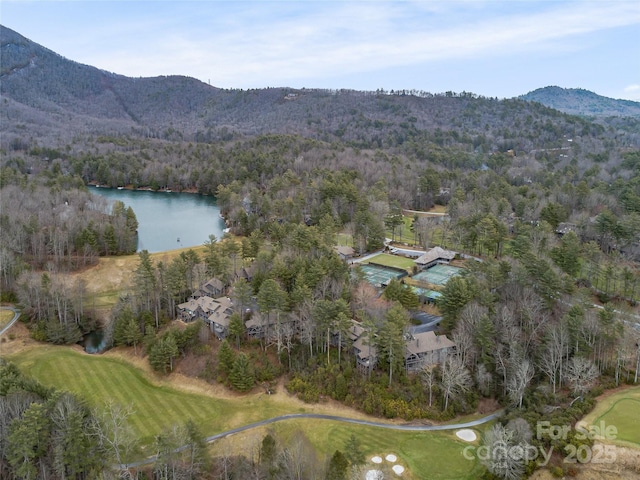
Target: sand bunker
<point>373,475</point>
<point>376,459</point>
<point>398,469</point>
<point>391,458</point>
<point>466,435</point>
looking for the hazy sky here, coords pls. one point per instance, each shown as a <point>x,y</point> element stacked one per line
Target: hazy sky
<point>493,48</point>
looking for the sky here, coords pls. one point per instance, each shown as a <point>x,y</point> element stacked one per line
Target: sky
<point>493,48</point>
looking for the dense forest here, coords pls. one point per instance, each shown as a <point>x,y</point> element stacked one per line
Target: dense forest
<point>543,208</point>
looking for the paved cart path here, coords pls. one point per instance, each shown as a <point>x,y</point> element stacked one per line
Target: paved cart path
<point>320,416</point>
<point>16,315</point>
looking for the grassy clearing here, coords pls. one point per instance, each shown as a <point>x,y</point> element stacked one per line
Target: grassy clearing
<point>157,404</point>
<point>5,317</point>
<point>426,455</point>
<point>622,410</point>
<point>344,239</point>
<point>405,235</point>
<point>111,275</point>
<point>403,232</point>
<point>393,261</point>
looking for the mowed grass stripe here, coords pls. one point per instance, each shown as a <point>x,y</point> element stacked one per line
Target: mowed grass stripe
<point>436,455</point>
<point>103,387</point>
<point>100,379</point>
<point>95,381</point>
<point>175,404</point>
<point>146,417</point>
<point>149,412</point>
<point>428,455</point>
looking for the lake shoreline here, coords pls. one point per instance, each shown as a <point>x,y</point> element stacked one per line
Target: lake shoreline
<point>131,188</point>
<point>167,222</point>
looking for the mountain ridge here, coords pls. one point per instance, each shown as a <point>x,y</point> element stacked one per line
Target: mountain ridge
<point>51,100</point>
<point>579,101</point>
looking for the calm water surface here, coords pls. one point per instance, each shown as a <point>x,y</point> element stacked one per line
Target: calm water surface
<point>169,220</point>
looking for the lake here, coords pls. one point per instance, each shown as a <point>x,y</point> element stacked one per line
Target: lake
<point>169,220</point>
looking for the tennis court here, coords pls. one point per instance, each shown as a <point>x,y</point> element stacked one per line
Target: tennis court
<point>438,274</point>
<point>379,275</point>
<point>425,294</point>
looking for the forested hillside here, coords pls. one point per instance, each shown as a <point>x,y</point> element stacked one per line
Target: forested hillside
<point>578,101</point>
<point>541,208</point>
<point>45,94</point>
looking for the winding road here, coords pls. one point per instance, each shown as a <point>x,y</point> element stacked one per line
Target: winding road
<point>16,315</point>
<point>320,416</point>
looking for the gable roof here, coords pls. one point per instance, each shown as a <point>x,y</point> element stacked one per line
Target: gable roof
<point>421,343</point>
<point>222,311</point>
<point>206,304</point>
<point>345,250</point>
<point>434,254</point>
<point>248,271</point>
<point>213,285</point>
<point>364,351</point>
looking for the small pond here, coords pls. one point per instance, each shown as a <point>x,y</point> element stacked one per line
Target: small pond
<point>94,342</point>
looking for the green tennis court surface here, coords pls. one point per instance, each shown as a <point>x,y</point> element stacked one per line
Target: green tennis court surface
<point>438,274</point>
<point>378,275</point>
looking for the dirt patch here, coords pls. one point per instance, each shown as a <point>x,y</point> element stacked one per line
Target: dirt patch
<point>613,391</point>
<point>625,467</point>
<point>192,365</point>
<point>16,339</point>
<point>488,405</point>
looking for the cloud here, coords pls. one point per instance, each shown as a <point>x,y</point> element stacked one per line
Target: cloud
<point>359,40</point>
<point>279,43</point>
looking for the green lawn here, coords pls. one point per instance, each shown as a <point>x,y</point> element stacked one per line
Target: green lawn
<point>621,410</point>
<point>99,378</point>
<point>344,239</point>
<point>425,455</point>
<point>393,261</point>
<point>5,317</point>
<point>403,233</point>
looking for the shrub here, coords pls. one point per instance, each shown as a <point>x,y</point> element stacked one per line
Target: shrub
<point>557,471</point>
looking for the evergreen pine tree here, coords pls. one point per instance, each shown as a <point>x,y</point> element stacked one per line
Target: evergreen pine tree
<point>354,452</point>
<point>338,467</point>
<point>226,358</point>
<point>241,376</point>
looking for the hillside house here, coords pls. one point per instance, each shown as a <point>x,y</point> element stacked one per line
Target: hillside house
<point>261,326</point>
<point>426,348</point>
<point>215,312</point>
<point>212,288</point>
<point>366,355</point>
<point>218,320</point>
<point>196,308</point>
<point>248,272</point>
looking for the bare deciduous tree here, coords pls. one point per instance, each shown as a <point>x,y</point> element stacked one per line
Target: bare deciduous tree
<point>502,443</point>
<point>455,379</point>
<point>581,375</point>
<point>115,437</point>
<point>551,354</point>
<point>429,380</point>
<point>521,373</point>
